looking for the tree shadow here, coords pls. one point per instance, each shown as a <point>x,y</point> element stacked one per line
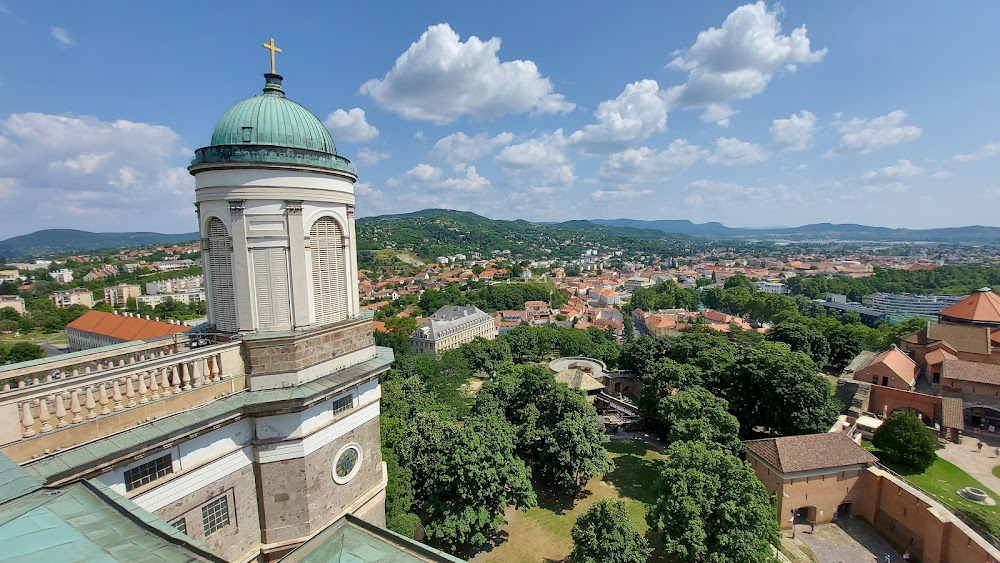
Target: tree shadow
<point>653,537</point>
<point>634,476</point>
<point>557,500</point>
<point>494,540</point>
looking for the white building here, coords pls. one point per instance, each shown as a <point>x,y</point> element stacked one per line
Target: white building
<point>118,295</point>
<point>70,297</point>
<point>636,282</point>
<point>771,287</point>
<point>905,305</point>
<point>450,327</point>
<point>64,275</point>
<point>174,285</point>
<point>187,296</point>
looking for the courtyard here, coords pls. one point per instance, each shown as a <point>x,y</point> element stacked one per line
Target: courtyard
<point>847,540</point>
<point>543,533</point>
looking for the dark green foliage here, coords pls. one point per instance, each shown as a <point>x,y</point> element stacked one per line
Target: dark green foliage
<point>695,414</point>
<point>712,508</point>
<point>21,352</point>
<point>399,497</point>
<point>801,338</point>
<point>903,439</point>
<point>398,335</point>
<point>604,534</point>
<point>780,390</point>
<point>953,280</point>
<point>472,481</point>
<point>663,296</point>
<point>486,355</point>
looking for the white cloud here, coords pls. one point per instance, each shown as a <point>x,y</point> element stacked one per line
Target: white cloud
<point>738,60</point>
<point>419,135</point>
<point>645,165</point>
<point>794,133</point>
<point>439,79</point>
<point>729,151</point>
<point>902,169</point>
<point>705,193</point>
<point>350,126</point>
<point>70,166</point>
<point>540,162</point>
<point>638,112</point>
<point>619,195</point>
<point>987,151</point>
<point>865,135</point>
<point>428,176</point>
<point>368,156</point>
<point>941,175</point>
<point>461,148</point>
<point>61,35</point>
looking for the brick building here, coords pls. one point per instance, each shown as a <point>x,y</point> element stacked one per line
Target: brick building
<point>891,368</point>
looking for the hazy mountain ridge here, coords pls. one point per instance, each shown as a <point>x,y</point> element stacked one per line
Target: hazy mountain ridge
<point>52,241</point>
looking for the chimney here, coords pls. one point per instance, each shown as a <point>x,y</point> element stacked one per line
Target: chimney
<point>147,317</point>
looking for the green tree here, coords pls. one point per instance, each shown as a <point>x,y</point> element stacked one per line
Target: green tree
<point>903,439</point>
<point>711,508</point>
<point>24,351</point>
<point>399,497</point>
<point>486,355</point>
<point>628,332</point>
<point>773,387</point>
<point>802,338</point>
<point>479,477</point>
<point>571,450</point>
<point>696,414</point>
<point>605,534</point>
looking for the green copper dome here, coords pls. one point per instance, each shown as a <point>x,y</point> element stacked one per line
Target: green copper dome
<point>270,128</point>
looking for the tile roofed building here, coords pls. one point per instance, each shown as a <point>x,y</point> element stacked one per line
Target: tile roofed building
<point>967,342</point>
<point>891,368</point>
<point>972,372</point>
<point>982,308</point>
<point>97,328</point>
<point>450,327</point>
<point>793,454</point>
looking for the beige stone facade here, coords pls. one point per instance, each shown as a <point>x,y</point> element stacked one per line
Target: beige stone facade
<point>450,327</point>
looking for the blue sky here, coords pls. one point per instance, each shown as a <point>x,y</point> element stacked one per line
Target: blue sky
<point>750,114</point>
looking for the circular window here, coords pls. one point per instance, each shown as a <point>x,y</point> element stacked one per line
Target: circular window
<point>347,463</point>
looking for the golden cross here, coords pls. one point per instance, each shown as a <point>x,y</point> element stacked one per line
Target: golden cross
<point>273,51</point>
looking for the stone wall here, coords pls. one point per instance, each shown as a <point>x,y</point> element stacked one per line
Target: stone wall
<point>299,495</point>
<point>915,522</point>
<point>823,493</point>
<point>288,354</point>
<point>242,535</point>
<point>891,399</point>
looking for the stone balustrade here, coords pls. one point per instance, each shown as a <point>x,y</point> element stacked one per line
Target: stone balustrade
<point>37,404</point>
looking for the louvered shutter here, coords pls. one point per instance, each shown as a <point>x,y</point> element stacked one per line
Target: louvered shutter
<point>329,281</point>
<point>270,271</point>
<point>220,271</point>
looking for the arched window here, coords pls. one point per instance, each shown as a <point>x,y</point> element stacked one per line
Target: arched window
<point>329,280</point>
<point>220,273</point>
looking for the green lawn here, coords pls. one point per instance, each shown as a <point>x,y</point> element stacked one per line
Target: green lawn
<point>996,471</point>
<point>56,338</point>
<point>942,480</point>
<point>543,533</point>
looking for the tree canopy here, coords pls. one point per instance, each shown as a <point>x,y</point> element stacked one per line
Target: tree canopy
<point>905,440</point>
<point>605,534</point>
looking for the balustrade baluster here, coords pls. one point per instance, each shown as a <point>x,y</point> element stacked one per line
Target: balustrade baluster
<point>74,406</point>
<point>75,371</point>
<point>27,420</point>
<point>175,374</point>
<point>129,392</point>
<point>43,414</point>
<point>89,403</point>
<point>154,387</point>
<point>197,378</point>
<point>60,411</point>
<point>116,396</point>
<point>165,379</point>
<point>143,390</point>
<point>185,376</point>
<point>103,399</point>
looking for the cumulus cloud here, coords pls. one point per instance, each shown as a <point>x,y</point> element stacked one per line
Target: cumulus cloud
<point>61,36</point>
<point>738,60</point>
<point>428,176</point>
<point>91,167</point>
<point>794,133</point>
<point>440,78</point>
<point>540,162</point>
<point>461,148</point>
<point>902,169</point>
<point>370,157</point>
<point>350,126</point>
<point>638,112</point>
<point>941,175</point>
<point>646,165</point>
<point>987,151</point>
<point>730,151</point>
<point>866,135</point>
<point>619,195</point>
<point>705,193</point>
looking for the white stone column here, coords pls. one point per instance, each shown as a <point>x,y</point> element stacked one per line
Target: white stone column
<point>299,288</point>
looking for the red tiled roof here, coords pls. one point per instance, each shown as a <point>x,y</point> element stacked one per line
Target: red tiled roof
<point>973,372</point>
<point>899,363</point>
<point>937,356</point>
<point>791,454</point>
<point>122,327</point>
<point>982,306</point>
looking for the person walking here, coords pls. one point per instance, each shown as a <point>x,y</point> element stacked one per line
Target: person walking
<point>979,446</point>
<point>996,452</point>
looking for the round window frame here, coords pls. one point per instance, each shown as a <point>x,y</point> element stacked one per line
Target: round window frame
<point>357,464</point>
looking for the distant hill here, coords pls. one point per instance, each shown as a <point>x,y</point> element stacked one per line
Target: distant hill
<point>52,241</point>
<point>820,231</point>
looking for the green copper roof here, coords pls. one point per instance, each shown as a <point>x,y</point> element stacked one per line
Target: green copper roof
<point>270,128</point>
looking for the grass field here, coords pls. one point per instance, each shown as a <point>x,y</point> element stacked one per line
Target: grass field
<point>942,480</point>
<point>56,338</point>
<point>996,471</point>
<point>543,533</point>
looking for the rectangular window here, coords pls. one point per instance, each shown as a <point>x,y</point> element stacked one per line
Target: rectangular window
<point>148,472</point>
<point>215,515</point>
<point>342,404</point>
<point>181,525</point>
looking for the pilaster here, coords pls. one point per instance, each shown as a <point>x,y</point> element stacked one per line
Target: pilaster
<point>297,256</point>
